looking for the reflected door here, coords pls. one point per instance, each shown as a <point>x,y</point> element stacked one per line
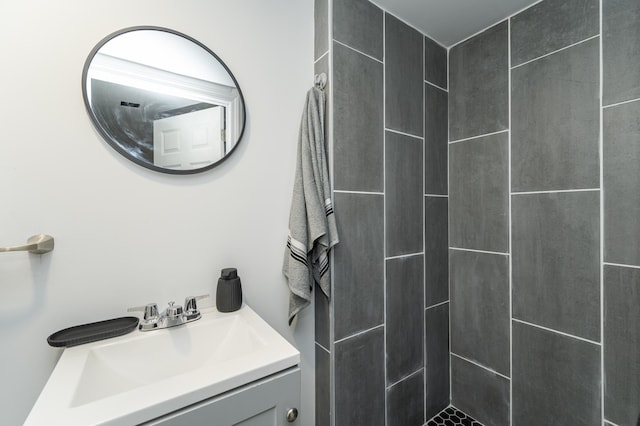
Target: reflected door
<point>191,140</point>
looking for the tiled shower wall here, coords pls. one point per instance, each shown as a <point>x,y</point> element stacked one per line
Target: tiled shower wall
<point>544,229</point>
<point>544,169</point>
<point>382,348</point>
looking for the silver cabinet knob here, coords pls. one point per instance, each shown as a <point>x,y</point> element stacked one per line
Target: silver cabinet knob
<point>292,415</point>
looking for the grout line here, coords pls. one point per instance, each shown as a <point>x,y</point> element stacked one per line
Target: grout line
<point>479,251</point>
<point>424,236</point>
<point>403,133</point>
<point>359,333</point>
<point>357,51</point>
<point>621,103</point>
<point>332,320</point>
<point>448,87</point>
<point>510,260</point>
<point>424,386</point>
<point>556,51</point>
<point>437,195</point>
<point>479,136</point>
<point>449,227</point>
<point>320,57</point>
<point>436,305</point>
<point>554,191</point>
<point>556,331</point>
<point>325,349</point>
<point>480,365</point>
<point>610,422</point>
<point>623,265</point>
<point>344,191</point>
<point>384,206</point>
<point>601,172</point>
<point>402,256</point>
<point>430,83</point>
<point>404,378</point>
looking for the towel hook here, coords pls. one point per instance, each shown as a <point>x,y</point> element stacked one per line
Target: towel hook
<point>37,244</point>
<point>320,80</point>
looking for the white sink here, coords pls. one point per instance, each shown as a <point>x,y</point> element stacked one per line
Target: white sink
<point>140,376</point>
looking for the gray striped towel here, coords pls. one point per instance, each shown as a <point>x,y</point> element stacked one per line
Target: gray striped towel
<point>312,225</point>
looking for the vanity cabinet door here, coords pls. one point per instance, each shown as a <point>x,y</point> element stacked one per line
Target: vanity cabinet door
<point>262,403</point>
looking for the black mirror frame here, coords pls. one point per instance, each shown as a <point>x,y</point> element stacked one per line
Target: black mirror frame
<point>116,146</point>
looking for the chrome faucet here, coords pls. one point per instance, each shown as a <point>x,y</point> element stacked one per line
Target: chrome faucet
<point>172,316</point>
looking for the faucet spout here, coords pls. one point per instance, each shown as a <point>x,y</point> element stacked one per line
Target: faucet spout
<point>172,316</point>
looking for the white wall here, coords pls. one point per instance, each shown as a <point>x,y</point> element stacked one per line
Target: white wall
<point>125,235</point>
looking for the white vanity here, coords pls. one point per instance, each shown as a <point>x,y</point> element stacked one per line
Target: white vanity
<point>224,369</point>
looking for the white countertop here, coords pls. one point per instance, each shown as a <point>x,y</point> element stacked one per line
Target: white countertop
<point>142,375</point>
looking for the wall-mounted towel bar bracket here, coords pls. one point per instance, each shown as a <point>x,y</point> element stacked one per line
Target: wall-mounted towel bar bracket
<point>37,244</point>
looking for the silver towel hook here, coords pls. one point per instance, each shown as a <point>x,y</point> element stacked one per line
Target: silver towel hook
<point>38,244</point>
<point>320,81</point>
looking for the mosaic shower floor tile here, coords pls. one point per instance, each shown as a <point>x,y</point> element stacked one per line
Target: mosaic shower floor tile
<point>451,416</point>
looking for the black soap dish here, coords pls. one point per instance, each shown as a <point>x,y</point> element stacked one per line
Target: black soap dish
<point>92,332</point>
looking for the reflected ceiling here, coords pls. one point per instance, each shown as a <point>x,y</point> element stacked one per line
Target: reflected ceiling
<point>451,21</point>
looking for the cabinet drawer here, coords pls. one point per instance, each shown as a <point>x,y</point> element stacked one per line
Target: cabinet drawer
<point>261,403</point>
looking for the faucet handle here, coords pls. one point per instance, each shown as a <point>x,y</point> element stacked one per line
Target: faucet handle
<point>173,310</point>
<point>150,311</point>
<point>190,304</point>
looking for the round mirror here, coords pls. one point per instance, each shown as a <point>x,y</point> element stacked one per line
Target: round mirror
<point>163,100</point>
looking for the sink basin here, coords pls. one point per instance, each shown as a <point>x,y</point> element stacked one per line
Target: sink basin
<point>143,375</point>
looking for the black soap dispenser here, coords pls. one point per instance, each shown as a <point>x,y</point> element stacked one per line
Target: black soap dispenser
<point>229,291</point>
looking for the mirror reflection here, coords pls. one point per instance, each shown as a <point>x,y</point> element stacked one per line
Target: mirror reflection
<point>163,100</point>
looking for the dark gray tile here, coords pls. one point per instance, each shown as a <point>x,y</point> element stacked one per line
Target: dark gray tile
<point>437,359</point>
<point>359,380</point>
<point>480,318</point>
<point>357,121</point>
<point>479,393</point>
<point>479,193</point>
<point>621,146</point>
<point>403,77</point>
<point>551,25</point>
<point>556,258</point>
<point>405,402</point>
<point>358,23</point>
<point>405,316</point>
<point>320,27</point>
<point>435,63</point>
<point>435,140</point>
<point>479,84</point>
<point>622,345</point>
<point>556,379</point>
<point>323,386</point>
<point>403,192</point>
<point>436,250</point>
<point>621,50</point>
<point>555,121</point>
<point>323,321</point>
<point>358,287</point>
